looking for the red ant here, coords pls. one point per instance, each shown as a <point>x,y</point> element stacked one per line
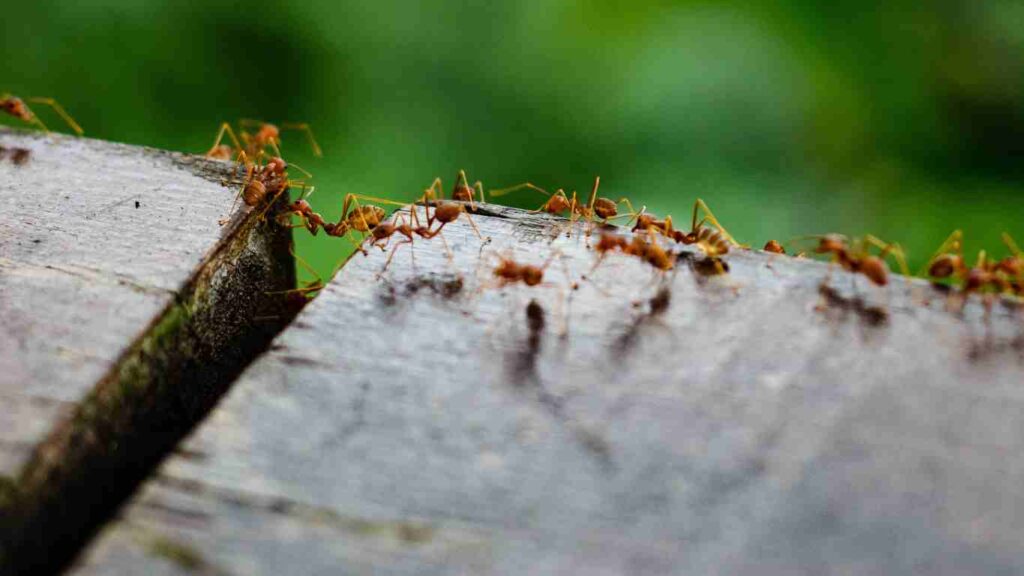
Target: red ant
<point>308,219</point>
<point>855,256</point>
<point>712,242</point>
<point>1000,276</point>
<point>256,145</point>
<point>17,107</point>
<point>355,217</point>
<point>462,191</point>
<point>774,247</point>
<point>446,211</point>
<point>646,249</point>
<point>271,179</point>
<point>558,202</point>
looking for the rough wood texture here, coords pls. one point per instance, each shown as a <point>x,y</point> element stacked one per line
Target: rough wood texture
<point>406,426</point>
<point>119,293</point>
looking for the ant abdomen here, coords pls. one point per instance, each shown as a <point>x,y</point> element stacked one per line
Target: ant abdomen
<point>605,208</point>
<point>254,192</point>
<point>944,266</point>
<point>875,269</point>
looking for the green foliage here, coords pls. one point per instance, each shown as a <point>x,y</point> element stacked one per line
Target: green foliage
<point>904,119</point>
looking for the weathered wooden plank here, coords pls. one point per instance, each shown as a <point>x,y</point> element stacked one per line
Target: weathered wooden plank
<point>414,424</point>
<point>115,279</point>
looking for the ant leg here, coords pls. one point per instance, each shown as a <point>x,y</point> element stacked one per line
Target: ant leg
<point>710,217</point>
<point>283,190</point>
<point>472,225</point>
<point>890,248</point>
<point>517,187</point>
<point>1008,240</point>
<point>633,214</point>
<point>479,186</point>
<point>303,127</point>
<point>225,128</point>
<point>447,250</point>
<point>392,255</point>
<point>434,192</point>
<point>249,175</point>
<point>35,119</point>
<point>313,285</point>
<point>60,112</point>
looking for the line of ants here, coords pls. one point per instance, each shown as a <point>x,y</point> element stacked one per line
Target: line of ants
<point>266,179</point>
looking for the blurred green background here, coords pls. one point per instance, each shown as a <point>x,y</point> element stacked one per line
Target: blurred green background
<point>903,119</point>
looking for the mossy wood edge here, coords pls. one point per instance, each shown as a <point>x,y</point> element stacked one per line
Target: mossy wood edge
<point>222,314</point>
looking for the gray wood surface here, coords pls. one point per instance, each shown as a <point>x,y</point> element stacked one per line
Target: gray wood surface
<point>116,281</point>
<point>95,238</point>
<point>757,425</point>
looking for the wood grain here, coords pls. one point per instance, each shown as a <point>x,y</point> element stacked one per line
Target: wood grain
<point>114,276</point>
<point>757,425</point>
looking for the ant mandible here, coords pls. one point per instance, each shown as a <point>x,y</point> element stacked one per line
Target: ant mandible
<point>17,107</point>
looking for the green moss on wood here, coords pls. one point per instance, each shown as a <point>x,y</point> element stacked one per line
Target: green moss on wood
<point>181,555</point>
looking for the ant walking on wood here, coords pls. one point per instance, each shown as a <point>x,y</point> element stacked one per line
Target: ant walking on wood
<point>855,256</point>
<point>645,248</point>
<point>267,138</point>
<point>17,107</point>
<point>271,180</point>
<point>558,202</point>
<point>714,242</point>
<point>1003,276</point>
<point>462,191</point>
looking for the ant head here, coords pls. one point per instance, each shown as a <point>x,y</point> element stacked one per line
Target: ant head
<point>558,202</point>
<point>875,269</point>
<point>276,165</point>
<point>774,247</point>
<point>462,192</point>
<point>16,107</point>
